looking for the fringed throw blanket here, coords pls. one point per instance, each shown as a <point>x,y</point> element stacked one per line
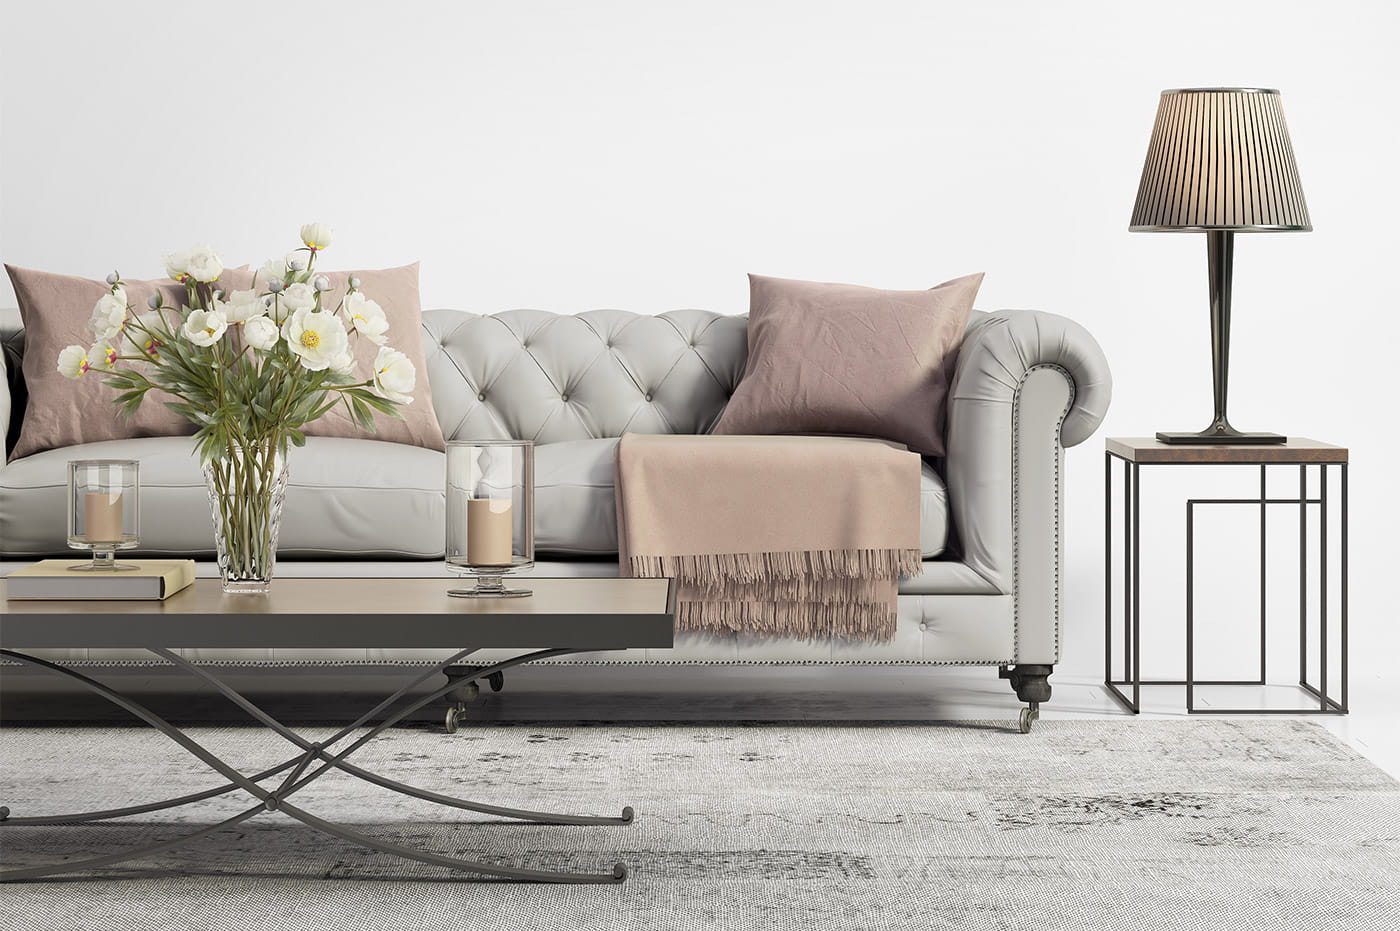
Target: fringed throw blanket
<point>794,536</point>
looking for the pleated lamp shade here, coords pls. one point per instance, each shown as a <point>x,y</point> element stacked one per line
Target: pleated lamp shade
<point>1220,159</point>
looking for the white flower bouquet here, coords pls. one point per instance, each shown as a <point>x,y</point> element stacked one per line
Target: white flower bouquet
<point>249,369</point>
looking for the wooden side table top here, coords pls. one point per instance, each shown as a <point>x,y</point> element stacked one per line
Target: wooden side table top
<point>1297,451</point>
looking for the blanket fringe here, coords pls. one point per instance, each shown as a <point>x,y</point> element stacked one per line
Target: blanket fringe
<point>803,620</point>
<point>713,571</point>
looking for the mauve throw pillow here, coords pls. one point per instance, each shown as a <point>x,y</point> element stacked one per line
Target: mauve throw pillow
<point>395,290</point>
<point>61,412</point>
<point>846,359</point>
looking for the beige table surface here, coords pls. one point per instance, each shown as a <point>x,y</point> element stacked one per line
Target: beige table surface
<point>348,613</point>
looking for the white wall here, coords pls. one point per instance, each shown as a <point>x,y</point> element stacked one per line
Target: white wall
<point>647,155</point>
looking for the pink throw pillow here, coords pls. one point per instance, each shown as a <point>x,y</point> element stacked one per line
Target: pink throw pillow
<point>851,360</point>
<point>61,412</point>
<point>395,290</point>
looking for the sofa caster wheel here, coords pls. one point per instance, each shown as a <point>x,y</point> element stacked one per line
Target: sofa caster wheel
<point>497,681</point>
<point>1029,715</point>
<point>454,717</point>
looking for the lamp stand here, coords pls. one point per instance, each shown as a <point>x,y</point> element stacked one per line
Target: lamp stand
<point>1220,249</point>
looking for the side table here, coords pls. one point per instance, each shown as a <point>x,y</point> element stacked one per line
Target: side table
<point>1306,455</point>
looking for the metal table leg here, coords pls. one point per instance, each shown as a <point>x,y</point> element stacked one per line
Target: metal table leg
<point>275,800</point>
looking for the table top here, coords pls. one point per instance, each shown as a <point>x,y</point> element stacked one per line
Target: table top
<point>1297,451</point>
<point>585,613</point>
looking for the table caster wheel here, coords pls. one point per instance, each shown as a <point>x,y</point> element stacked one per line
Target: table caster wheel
<point>1029,715</point>
<point>497,681</point>
<point>454,715</point>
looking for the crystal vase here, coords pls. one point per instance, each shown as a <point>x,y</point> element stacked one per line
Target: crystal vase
<point>246,489</point>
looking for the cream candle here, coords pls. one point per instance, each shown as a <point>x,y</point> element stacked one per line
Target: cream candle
<point>488,532</point>
<point>102,517</point>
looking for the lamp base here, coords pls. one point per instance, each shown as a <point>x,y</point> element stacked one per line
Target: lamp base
<point>1221,438</point>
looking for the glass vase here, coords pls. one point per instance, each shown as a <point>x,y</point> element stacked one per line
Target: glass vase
<point>246,490</point>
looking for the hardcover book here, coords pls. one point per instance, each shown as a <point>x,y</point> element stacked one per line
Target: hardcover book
<point>52,580</point>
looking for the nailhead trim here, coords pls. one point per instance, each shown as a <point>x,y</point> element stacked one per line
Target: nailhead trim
<point>1016,501</point>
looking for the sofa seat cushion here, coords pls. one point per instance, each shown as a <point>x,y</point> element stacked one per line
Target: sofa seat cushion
<point>576,510</point>
<point>346,498</point>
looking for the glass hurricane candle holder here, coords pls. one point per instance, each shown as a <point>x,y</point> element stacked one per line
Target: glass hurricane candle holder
<point>104,510</point>
<point>490,514</point>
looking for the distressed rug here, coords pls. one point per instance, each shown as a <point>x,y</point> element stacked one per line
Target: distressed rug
<point>1117,824</point>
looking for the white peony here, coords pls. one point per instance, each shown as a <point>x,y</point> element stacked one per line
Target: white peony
<point>344,363</point>
<point>261,332</point>
<point>317,235</point>
<point>241,305</point>
<point>317,338</point>
<point>273,270</point>
<point>366,317</point>
<point>202,264</point>
<point>102,356</point>
<point>73,362</point>
<point>297,297</point>
<point>276,309</point>
<point>394,376</point>
<point>108,314</point>
<point>147,333</point>
<point>177,265</point>
<point>204,327</point>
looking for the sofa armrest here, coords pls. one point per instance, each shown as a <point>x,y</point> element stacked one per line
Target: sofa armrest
<point>1026,385</point>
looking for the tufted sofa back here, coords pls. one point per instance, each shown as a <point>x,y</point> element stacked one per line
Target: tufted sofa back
<point>532,374</point>
<point>535,375</point>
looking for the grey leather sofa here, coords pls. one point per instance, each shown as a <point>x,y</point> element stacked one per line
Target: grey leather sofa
<point>1027,384</point>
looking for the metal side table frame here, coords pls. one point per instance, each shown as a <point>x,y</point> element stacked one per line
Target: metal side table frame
<point>1133,454</point>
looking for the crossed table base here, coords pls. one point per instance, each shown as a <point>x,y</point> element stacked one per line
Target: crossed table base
<point>301,775</point>
<point>564,616</point>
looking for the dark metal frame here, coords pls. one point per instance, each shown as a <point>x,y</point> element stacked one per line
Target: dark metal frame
<point>1132,615</point>
<point>275,799</point>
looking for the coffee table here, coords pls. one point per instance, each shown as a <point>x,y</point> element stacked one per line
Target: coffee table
<point>563,616</point>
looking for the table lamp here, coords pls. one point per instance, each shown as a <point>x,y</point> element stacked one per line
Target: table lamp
<point>1220,163</point>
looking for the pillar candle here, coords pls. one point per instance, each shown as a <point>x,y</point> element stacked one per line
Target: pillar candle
<point>102,517</point>
<point>488,532</point>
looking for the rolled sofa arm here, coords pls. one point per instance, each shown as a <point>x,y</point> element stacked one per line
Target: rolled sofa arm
<point>1026,385</point>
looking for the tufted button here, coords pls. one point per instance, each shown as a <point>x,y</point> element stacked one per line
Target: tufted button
<point>648,397</point>
<point>481,397</point>
<point>563,397</point>
<point>923,625</point>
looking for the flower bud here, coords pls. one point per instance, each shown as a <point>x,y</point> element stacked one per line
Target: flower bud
<point>321,283</point>
<point>275,285</point>
<point>354,282</point>
<point>155,300</point>
<point>295,262</point>
<point>113,277</point>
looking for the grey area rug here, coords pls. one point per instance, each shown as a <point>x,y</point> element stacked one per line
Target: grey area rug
<point>1080,825</point>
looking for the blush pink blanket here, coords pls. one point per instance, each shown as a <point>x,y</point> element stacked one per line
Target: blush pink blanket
<point>792,536</point>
